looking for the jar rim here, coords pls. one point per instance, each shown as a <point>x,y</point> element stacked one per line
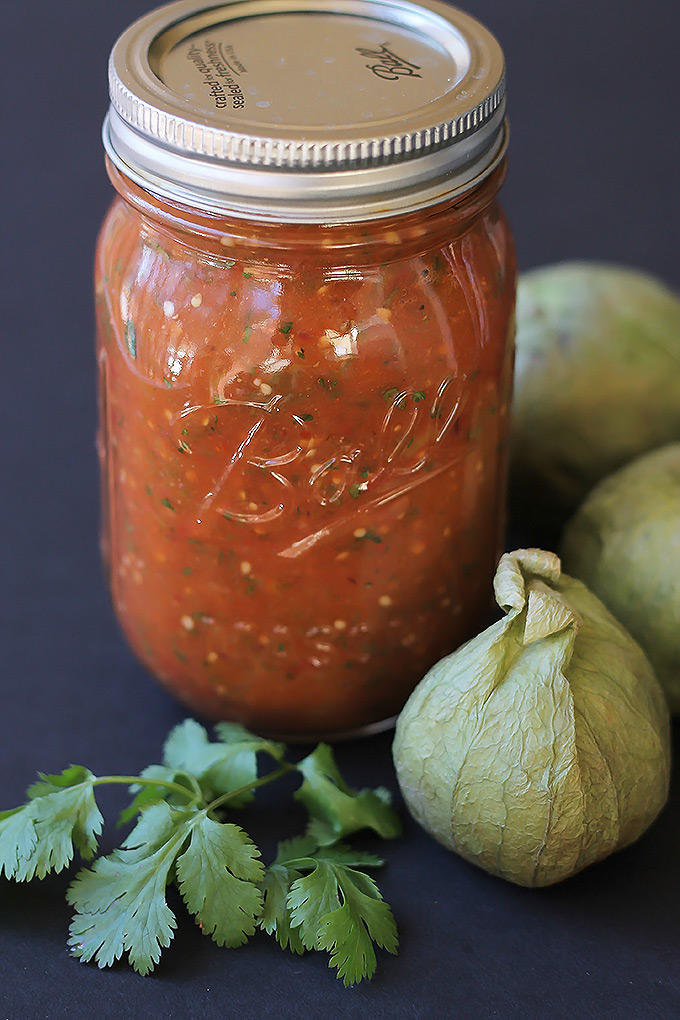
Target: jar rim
<point>425,119</point>
<point>350,242</point>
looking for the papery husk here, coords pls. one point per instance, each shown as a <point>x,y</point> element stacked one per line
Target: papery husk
<point>542,745</point>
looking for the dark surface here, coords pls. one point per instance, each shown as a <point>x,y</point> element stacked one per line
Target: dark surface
<point>594,108</point>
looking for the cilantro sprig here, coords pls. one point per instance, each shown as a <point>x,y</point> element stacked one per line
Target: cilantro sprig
<point>315,895</point>
<point>318,897</point>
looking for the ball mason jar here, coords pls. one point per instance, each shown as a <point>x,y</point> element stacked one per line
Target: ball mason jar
<point>305,292</point>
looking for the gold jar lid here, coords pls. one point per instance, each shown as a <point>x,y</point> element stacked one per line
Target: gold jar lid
<point>307,110</point>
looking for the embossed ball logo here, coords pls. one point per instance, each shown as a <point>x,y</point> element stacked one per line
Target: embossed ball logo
<point>387,65</point>
<point>261,468</point>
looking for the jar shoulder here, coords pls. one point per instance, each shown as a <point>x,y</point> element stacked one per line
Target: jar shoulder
<point>192,303</point>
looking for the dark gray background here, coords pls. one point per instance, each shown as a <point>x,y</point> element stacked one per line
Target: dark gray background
<point>594,108</point>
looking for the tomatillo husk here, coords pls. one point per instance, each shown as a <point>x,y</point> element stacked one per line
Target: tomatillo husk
<point>543,744</point>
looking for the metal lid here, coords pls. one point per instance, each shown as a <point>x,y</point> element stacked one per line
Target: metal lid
<point>306,110</point>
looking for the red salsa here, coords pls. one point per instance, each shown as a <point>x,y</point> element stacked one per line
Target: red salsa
<point>304,449</point>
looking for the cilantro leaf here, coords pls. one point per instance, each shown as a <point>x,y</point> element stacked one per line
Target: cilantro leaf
<point>72,776</point>
<point>303,852</point>
<point>313,896</point>
<point>336,810</point>
<point>220,767</point>
<point>60,817</point>
<point>295,849</point>
<point>120,902</point>
<point>231,733</point>
<point>278,880</point>
<point>149,793</point>
<point>275,918</point>
<point>216,876</point>
<point>337,908</point>
<point>18,840</point>
<point>349,932</point>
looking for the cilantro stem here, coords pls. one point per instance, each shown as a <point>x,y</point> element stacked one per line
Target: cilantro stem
<point>270,777</point>
<point>147,781</point>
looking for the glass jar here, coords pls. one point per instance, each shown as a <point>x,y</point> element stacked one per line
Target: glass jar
<point>304,386</point>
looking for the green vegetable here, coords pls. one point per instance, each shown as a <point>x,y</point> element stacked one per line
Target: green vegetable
<point>597,380</point>
<point>131,339</point>
<point>336,811</point>
<point>368,535</point>
<point>624,543</point>
<point>315,895</point>
<point>40,837</point>
<point>543,744</point>
<point>335,906</point>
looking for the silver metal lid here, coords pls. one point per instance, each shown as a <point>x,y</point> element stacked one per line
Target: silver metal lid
<point>306,110</point>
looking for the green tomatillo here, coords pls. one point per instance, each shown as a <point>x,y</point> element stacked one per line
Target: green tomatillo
<point>624,543</point>
<point>597,381</point>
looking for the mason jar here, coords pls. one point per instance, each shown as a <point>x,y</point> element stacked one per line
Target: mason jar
<point>305,292</point>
